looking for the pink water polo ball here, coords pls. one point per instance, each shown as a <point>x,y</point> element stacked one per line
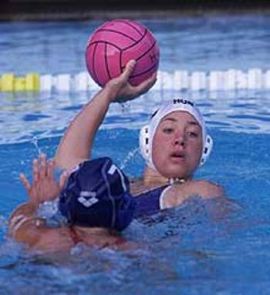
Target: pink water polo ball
<point>116,42</point>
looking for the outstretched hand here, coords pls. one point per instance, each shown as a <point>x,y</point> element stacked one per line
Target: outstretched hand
<point>44,187</point>
<point>122,90</point>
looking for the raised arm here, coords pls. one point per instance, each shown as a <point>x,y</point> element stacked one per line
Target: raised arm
<point>76,145</point>
<point>24,224</point>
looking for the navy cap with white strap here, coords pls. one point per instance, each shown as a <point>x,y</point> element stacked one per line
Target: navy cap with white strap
<point>97,195</point>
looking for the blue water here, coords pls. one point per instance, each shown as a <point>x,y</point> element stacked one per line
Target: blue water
<point>198,248</point>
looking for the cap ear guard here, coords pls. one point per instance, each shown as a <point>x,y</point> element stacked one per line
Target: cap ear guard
<point>208,146</point>
<point>144,142</point>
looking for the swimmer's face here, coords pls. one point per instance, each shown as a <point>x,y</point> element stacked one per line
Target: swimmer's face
<point>177,145</point>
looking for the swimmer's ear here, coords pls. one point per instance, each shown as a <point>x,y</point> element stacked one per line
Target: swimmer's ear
<point>207,149</point>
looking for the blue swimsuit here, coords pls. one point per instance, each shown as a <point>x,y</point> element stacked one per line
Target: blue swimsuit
<point>149,202</point>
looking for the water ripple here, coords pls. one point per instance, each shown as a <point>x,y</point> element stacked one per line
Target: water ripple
<point>22,117</point>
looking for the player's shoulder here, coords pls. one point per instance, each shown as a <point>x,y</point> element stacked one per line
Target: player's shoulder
<point>208,189</point>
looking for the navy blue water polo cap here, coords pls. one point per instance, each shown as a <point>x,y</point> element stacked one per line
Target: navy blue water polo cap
<point>97,195</point>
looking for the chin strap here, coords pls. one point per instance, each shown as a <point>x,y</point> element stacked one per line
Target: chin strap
<point>176,180</point>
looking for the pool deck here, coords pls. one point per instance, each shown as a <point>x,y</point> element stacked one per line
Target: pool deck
<point>48,10</point>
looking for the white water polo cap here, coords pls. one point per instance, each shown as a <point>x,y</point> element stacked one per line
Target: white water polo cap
<point>148,131</point>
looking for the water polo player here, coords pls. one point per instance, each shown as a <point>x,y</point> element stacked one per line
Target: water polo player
<point>92,205</point>
<point>175,147</point>
<point>174,144</point>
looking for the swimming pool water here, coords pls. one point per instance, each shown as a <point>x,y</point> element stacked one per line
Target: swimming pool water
<point>198,248</point>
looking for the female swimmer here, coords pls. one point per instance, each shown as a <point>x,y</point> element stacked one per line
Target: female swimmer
<point>93,205</point>
<point>175,143</point>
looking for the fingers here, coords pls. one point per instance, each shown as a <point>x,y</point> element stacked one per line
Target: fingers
<point>42,165</point>
<point>35,170</point>
<point>63,178</point>
<point>128,69</point>
<point>25,181</point>
<point>42,168</point>
<point>147,84</point>
<point>50,168</point>
<point>135,91</point>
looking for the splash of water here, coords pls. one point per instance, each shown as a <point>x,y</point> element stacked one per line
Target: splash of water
<point>125,107</point>
<point>131,154</point>
<point>34,141</point>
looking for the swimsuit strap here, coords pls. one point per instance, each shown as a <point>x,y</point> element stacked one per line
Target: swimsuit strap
<point>148,202</point>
